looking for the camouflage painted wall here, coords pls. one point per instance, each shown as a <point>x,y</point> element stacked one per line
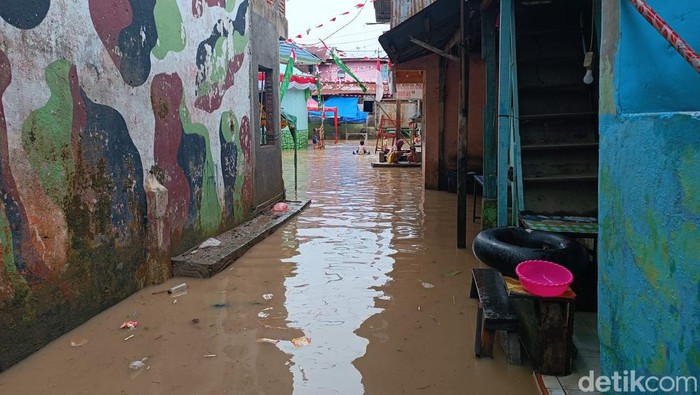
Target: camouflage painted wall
<point>100,102</point>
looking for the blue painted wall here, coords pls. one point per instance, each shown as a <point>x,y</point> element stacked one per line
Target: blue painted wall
<point>649,245</point>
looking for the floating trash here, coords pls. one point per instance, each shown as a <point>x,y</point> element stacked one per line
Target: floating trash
<point>267,296</point>
<point>210,243</point>
<point>427,285</point>
<point>138,364</point>
<point>220,305</point>
<point>280,207</point>
<point>79,343</point>
<point>129,325</point>
<point>301,341</point>
<point>178,290</point>
<point>268,340</point>
<point>265,313</point>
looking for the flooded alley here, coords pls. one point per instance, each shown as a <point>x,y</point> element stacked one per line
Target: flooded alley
<point>368,273</point>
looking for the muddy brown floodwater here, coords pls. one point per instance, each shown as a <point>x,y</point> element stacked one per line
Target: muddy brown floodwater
<point>369,273</point>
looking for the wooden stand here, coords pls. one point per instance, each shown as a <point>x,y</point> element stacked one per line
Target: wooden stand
<point>546,327</point>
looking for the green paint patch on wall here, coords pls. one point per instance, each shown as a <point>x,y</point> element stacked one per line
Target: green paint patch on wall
<point>229,122</point>
<point>46,134</point>
<point>171,33</point>
<point>209,214</point>
<point>239,212</point>
<point>19,288</point>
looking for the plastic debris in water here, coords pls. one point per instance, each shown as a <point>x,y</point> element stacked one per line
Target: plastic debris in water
<point>280,207</point>
<point>210,243</point>
<point>129,325</point>
<point>268,340</point>
<point>209,355</point>
<point>267,296</point>
<point>264,313</point>
<point>79,343</point>
<point>427,285</point>
<point>178,290</point>
<point>301,341</point>
<point>220,305</point>
<point>138,364</point>
<point>128,337</point>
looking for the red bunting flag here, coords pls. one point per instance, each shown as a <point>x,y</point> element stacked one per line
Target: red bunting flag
<point>298,36</point>
<point>333,19</point>
<point>359,5</point>
<point>321,25</point>
<point>345,13</point>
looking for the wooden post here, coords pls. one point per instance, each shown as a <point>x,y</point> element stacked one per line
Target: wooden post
<point>398,121</point>
<point>442,177</point>
<point>488,48</point>
<point>462,177</point>
<point>504,110</point>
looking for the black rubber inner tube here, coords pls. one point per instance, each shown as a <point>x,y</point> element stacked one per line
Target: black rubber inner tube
<point>504,248</point>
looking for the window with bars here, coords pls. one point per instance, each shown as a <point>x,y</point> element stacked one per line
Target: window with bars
<point>265,104</point>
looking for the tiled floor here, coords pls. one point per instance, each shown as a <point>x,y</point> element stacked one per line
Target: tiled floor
<point>587,359</point>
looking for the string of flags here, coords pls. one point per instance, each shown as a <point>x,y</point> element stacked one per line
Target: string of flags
<point>334,19</point>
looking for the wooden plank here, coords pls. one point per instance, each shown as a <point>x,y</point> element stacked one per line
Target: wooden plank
<point>504,110</point>
<point>494,300</point>
<point>488,32</point>
<point>206,262</point>
<point>435,50</point>
<point>402,164</point>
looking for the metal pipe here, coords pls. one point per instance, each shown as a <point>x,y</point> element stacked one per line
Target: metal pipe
<point>668,33</point>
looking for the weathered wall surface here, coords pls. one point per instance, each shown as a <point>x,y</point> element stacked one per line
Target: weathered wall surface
<point>433,148</point>
<point>268,184</point>
<point>102,104</point>
<point>649,242</point>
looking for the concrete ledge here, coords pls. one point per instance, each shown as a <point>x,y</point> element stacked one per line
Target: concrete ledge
<point>206,262</point>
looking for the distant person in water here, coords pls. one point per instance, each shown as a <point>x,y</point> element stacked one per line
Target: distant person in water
<point>396,152</point>
<point>361,149</point>
<point>412,156</point>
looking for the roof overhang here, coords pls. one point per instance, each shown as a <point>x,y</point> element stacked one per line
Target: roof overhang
<point>433,28</point>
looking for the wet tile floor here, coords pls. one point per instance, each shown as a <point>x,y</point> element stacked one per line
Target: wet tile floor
<point>587,359</point>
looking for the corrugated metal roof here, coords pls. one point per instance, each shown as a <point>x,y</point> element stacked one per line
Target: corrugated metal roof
<point>404,9</point>
<point>303,56</point>
<point>435,25</point>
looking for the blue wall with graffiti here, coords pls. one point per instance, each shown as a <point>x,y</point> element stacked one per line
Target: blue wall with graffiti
<point>649,242</point>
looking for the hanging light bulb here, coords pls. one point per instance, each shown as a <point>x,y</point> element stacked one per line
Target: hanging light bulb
<point>588,78</point>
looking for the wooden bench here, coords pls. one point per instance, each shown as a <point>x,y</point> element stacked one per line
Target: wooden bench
<point>495,313</point>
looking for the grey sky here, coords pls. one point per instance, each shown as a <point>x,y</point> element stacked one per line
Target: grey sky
<point>356,39</point>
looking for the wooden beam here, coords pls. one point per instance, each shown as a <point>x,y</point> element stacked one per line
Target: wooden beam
<point>505,101</point>
<point>453,41</point>
<point>433,49</point>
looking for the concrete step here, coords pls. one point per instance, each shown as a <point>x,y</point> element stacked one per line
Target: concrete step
<point>206,262</point>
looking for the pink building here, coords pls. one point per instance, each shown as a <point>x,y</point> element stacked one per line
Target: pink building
<point>335,81</point>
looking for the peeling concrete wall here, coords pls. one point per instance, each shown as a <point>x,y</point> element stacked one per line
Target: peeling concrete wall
<point>649,245</point>
<point>124,138</point>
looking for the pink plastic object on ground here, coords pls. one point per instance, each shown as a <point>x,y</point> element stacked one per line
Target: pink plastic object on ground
<point>543,278</point>
<point>280,207</point>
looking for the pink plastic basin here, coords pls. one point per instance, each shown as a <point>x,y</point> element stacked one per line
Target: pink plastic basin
<point>543,278</point>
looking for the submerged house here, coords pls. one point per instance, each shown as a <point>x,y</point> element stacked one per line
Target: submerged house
<point>130,136</point>
<point>585,109</point>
